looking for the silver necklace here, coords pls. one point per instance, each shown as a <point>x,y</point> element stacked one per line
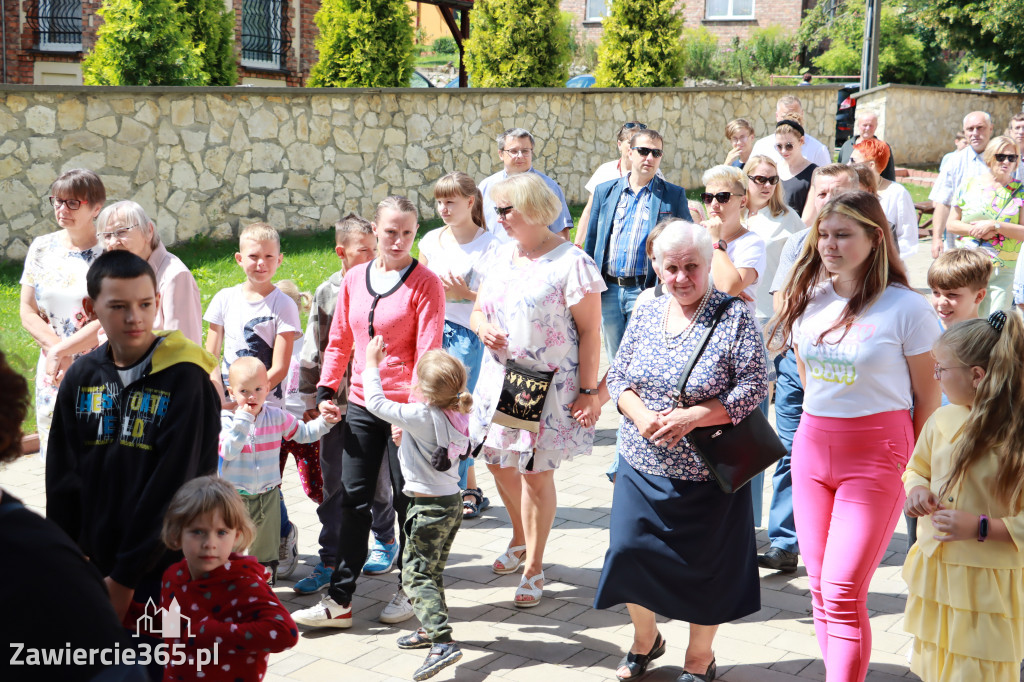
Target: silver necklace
<point>527,254</point>
<point>681,337</point>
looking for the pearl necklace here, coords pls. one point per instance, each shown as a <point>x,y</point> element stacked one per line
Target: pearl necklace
<point>527,254</point>
<point>685,334</point>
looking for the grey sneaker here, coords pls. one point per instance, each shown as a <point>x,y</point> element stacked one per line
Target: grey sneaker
<point>288,553</point>
<point>442,655</point>
<point>398,609</point>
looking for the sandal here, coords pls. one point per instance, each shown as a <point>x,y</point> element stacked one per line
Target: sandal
<point>528,588</point>
<point>509,562</point>
<point>472,509</point>
<point>637,663</point>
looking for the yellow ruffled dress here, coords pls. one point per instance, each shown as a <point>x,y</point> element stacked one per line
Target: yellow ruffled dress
<point>965,602</point>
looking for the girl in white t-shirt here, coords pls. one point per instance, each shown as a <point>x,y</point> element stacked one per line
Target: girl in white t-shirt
<point>862,339</point>
<point>454,252</point>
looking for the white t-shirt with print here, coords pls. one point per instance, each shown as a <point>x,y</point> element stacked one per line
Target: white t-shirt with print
<point>748,251</point>
<point>251,327</point>
<point>866,372</point>
<point>445,256</point>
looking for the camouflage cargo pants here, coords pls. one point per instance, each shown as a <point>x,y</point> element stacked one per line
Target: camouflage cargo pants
<point>430,527</point>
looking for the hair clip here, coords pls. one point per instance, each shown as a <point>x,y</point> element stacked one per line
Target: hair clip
<point>997,320</point>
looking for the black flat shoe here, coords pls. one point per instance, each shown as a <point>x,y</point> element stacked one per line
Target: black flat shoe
<point>708,675</point>
<point>637,663</point>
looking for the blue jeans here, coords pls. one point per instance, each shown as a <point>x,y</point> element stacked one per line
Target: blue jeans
<point>464,345</point>
<point>616,309</point>
<point>789,400</point>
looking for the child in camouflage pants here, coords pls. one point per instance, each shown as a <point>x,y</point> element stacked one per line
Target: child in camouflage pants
<point>434,433</point>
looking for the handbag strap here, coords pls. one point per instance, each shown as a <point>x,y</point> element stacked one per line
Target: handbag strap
<point>722,307</point>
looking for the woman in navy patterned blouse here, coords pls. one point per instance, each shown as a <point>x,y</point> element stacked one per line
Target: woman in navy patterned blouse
<point>680,547</point>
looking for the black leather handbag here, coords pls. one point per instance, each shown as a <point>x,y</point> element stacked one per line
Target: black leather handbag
<point>522,397</point>
<point>734,453</point>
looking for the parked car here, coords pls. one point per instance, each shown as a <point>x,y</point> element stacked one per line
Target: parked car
<point>846,112</point>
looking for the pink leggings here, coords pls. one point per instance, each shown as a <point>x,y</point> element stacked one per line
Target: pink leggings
<point>847,497</point>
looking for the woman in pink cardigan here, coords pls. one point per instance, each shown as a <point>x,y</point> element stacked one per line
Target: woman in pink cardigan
<point>394,297</point>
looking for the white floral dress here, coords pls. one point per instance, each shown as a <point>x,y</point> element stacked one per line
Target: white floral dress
<point>530,302</point>
<point>57,274</point>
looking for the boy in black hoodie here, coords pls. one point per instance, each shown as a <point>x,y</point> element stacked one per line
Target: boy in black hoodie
<point>134,420</point>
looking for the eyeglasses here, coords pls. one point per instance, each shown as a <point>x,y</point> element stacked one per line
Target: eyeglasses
<point>788,146</point>
<point>1003,158</point>
<point>720,197</point>
<point>764,179</point>
<point>939,369</point>
<point>518,152</point>
<point>117,235</point>
<point>634,124</point>
<point>502,211</point>
<point>647,151</point>
<point>72,204</point>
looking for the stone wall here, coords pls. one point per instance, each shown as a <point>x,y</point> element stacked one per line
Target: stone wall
<point>207,161</point>
<point>919,123</point>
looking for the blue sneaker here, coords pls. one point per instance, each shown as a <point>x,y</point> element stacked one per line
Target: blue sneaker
<point>318,580</point>
<point>382,558</point>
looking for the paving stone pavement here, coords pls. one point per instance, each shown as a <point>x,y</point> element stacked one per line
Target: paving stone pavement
<point>563,638</point>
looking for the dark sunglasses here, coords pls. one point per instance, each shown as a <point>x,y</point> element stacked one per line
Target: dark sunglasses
<point>502,211</point>
<point>764,179</point>
<point>645,151</point>
<point>787,146</point>
<point>1001,158</point>
<point>633,124</point>
<point>72,204</point>
<point>720,197</point>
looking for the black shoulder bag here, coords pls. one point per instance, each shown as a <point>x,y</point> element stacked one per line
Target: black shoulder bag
<point>734,453</point>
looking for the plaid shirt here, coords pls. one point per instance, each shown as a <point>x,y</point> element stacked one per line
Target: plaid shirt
<point>627,256</point>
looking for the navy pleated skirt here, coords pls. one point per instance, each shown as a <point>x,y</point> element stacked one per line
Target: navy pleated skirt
<point>681,549</point>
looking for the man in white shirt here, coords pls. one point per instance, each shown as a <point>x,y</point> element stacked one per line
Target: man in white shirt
<point>965,164</point>
<point>789,107</point>
<point>515,148</point>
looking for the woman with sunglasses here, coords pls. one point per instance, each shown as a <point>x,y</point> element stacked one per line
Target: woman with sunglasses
<point>795,171</point>
<point>539,305</point>
<point>125,226</point>
<point>862,340</point>
<point>612,170</point>
<point>987,214</point>
<point>396,298</point>
<point>53,286</point>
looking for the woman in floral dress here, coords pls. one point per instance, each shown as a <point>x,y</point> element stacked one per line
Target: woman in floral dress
<point>987,215</point>
<point>53,286</point>
<point>539,305</point>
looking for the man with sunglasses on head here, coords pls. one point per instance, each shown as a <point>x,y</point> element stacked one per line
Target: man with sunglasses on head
<point>515,148</point>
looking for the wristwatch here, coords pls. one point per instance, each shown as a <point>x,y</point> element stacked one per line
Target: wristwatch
<point>588,391</point>
<point>720,245</point>
<point>982,528</point>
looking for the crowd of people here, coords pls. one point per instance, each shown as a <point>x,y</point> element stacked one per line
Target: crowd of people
<point>785,282</point>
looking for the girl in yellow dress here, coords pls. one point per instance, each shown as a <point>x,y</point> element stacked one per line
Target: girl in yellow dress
<point>965,574</point>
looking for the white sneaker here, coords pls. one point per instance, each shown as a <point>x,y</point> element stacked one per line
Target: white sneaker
<point>398,609</point>
<point>326,614</point>
<point>288,553</point>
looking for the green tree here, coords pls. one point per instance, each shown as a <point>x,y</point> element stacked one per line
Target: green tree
<point>143,42</point>
<point>212,27</point>
<point>518,44</point>
<point>903,56</point>
<point>641,46</point>
<point>363,44</point>
<point>988,29</point>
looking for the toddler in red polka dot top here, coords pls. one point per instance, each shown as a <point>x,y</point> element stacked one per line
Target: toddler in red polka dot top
<point>221,620</point>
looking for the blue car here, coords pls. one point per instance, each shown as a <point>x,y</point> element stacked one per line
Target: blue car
<point>584,80</point>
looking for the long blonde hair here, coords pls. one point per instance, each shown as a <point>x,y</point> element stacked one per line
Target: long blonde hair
<point>884,268</point>
<point>995,344</point>
<point>777,201</point>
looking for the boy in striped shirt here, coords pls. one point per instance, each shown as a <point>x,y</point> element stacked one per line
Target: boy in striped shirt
<point>250,447</point>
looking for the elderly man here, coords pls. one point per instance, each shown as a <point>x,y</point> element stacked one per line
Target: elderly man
<point>867,124</point>
<point>827,182</point>
<point>1016,133</point>
<point>515,149</point>
<point>789,107</point>
<point>965,164</point>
